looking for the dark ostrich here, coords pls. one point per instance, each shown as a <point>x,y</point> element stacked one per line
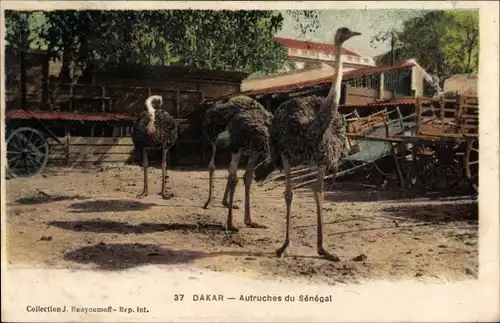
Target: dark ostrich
<point>247,124</point>
<point>215,129</point>
<point>154,129</point>
<point>309,130</point>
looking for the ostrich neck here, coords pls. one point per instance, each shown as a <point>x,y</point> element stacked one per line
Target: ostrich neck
<point>330,105</point>
<point>333,98</point>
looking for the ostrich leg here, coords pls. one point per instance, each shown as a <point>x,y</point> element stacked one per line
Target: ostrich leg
<point>288,199</point>
<point>319,197</point>
<point>145,167</point>
<point>226,192</point>
<point>232,181</point>
<point>247,179</point>
<point>164,175</point>
<point>211,170</point>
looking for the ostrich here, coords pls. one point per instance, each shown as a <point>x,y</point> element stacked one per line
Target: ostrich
<point>309,129</point>
<point>154,129</point>
<point>215,123</point>
<point>247,124</point>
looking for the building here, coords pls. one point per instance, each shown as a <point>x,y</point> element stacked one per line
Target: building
<point>306,54</point>
<point>307,61</point>
<point>364,86</point>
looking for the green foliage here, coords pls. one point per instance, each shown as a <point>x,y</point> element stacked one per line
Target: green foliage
<point>443,42</point>
<point>460,43</point>
<point>306,21</point>
<point>227,40</point>
<point>17,33</point>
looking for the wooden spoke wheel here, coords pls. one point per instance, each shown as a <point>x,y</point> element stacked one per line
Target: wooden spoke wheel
<point>450,157</point>
<point>471,162</point>
<point>27,152</point>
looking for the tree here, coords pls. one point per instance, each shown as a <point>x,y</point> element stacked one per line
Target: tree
<point>18,37</point>
<point>443,42</point>
<point>201,39</point>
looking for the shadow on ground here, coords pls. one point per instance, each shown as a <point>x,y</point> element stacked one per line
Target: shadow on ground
<point>120,256</point>
<point>102,226</point>
<point>124,256</point>
<point>41,198</point>
<point>397,196</point>
<point>110,206</point>
<point>436,213</point>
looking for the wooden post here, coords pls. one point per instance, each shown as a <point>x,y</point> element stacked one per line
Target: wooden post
<point>70,101</point>
<point>177,107</point>
<point>45,82</point>
<point>459,112</point>
<point>103,94</point>
<point>395,148</point>
<point>417,113</point>
<point>386,125</point>
<point>177,112</point>
<point>68,143</point>
<point>92,131</point>
<point>441,107</point>
<point>400,117</point>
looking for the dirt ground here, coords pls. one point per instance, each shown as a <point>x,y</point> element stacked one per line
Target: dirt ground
<point>90,218</point>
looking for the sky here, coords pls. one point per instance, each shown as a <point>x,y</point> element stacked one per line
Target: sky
<point>368,22</point>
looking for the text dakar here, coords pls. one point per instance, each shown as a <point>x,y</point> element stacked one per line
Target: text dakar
<point>208,297</point>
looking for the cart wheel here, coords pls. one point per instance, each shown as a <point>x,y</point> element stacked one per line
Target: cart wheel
<point>471,161</point>
<point>27,152</point>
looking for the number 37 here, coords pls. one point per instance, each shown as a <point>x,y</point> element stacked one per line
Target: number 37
<point>178,297</point>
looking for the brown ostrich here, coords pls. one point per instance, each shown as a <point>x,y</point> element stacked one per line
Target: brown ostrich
<point>309,130</point>
<point>215,130</point>
<point>154,129</point>
<point>242,124</point>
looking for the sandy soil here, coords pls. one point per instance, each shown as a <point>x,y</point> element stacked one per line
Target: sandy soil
<point>90,218</point>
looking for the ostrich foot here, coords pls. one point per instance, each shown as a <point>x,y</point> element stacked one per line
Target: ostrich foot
<point>207,204</point>
<point>232,228</point>
<point>328,256</point>
<point>254,225</point>
<point>142,195</point>
<point>280,253</point>
<point>235,206</point>
<point>167,196</point>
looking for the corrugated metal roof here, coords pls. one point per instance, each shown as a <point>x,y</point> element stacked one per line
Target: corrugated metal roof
<point>66,116</point>
<point>402,101</point>
<point>308,45</point>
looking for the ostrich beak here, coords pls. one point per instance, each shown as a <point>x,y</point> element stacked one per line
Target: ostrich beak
<point>355,33</point>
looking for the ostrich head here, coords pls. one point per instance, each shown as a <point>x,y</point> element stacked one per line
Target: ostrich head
<point>344,34</point>
<point>151,111</point>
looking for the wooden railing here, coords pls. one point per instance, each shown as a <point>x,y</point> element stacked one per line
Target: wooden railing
<point>458,115</point>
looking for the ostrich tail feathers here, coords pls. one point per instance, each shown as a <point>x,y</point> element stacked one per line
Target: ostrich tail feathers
<point>223,140</point>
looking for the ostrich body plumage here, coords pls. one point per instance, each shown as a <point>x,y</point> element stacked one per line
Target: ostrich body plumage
<point>249,129</point>
<point>216,118</point>
<point>149,132</point>
<point>305,137</point>
<point>309,130</point>
<point>165,134</point>
<point>247,124</point>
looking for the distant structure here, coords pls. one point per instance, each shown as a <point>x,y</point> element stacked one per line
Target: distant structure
<point>306,54</point>
<point>307,61</point>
